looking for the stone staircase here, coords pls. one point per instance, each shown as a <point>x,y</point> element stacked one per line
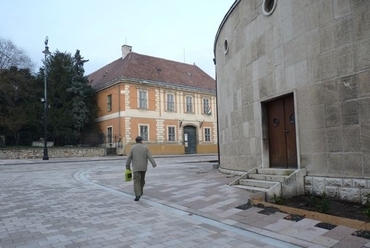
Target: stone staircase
<point>268,183</point>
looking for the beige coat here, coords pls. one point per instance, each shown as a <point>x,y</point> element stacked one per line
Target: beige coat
<point>139,156</point>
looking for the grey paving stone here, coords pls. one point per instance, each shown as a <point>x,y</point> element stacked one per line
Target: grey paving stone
<point>79,204</point>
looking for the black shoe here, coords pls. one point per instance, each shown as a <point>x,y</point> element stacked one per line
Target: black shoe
<point>137,198</point>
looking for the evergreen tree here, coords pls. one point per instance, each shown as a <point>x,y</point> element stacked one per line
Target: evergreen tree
<point>17,100</point>
<point>79,89</point>
<point>72,105</point>
<point>59,77</point>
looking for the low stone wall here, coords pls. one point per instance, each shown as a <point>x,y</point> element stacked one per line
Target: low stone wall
<point>54,152</point>
<point>345,189</point>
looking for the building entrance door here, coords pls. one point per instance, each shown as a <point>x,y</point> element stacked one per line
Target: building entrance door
<point>282,133</point>
<point>190,140</point>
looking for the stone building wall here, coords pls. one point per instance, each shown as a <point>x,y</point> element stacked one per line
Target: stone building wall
<point>344,189</point>
<point>32,153</point>
<point>317,50</point>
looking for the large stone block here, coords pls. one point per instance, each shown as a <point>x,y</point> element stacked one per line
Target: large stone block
<point>347,182</point>
<point>290,80</point>
<point>308,180</point>
<point>300,72</point>
<point>303,96</point>
<point>351,138</point>
<point>365,196</point>
<point>349,194</point>
<point>318,185</point>
<point>279,77</point>
<point>364,109</point>
<point>319,162</point>
<point>333,115</point>
<point>326,11</point>
<point>363,84</point>
<point>332,192</point>
<point>289,49</point>
<point>316,93</point>
<point>362,55</point>
<point>352,164</point>
<point>362,20</point>
<point>312,140</point>
<point>359,183</point>
<point>318,116</point>
<point>335,165</point>
<point>344,30</point>
<point>300,52</point>
<point>331,92</point>
<point>328,65</point>
<point>345,60</point>
<point>337,182</point>
<point>327,36</point>
<point>312,43</point>
<point>366,162</point>
<point>350,113</point>
<point>314,70</point>
<point>347,88</point>
<point>365,137</point>
<point>342,8</point>
<point>271,85</point>
<point>248,112</point>
<point>317,140</point>
<point>311,16</point>
<point>334,141</point>
<point>287,29</point>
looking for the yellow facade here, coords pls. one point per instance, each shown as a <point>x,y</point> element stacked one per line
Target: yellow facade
<point>122,117</point>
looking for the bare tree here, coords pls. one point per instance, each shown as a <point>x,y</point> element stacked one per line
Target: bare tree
<point>11,55</point>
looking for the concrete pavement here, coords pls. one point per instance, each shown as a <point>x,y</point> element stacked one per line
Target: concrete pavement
<point>84,202</point>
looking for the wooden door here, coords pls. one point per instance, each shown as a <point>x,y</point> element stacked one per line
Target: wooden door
<point>190,140</point>
<point>282,134</point>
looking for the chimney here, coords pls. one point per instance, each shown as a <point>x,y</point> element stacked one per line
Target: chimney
<point>126,49</point>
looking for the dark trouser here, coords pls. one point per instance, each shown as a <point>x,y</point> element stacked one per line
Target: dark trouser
<point>139,182</point>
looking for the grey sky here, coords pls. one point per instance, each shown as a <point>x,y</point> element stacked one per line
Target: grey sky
<point>179,30</point>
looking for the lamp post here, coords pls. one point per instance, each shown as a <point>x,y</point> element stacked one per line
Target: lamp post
<point>45,52</point>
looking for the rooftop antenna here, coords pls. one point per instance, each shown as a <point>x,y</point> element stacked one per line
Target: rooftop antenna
<point>184,54</point>
<point>126,40</point>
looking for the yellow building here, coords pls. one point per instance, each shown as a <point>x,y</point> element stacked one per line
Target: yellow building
<point>170,104</point>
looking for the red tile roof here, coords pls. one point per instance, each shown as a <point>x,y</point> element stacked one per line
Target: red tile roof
<point>140,67</point>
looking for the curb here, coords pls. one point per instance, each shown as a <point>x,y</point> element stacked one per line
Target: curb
<point>331,219</point>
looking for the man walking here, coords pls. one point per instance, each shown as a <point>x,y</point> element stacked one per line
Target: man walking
<point>139,156</point>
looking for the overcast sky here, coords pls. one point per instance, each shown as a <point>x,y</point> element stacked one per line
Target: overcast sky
<point>179,30</point>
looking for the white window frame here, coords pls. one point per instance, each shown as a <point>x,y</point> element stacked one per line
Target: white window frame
<point>207,136</point>
<point>174,133</point>
<point>110,135</point>
<point>206,106</point>
<point>170,102</point>
<point>145,136</point>
<point>142,101</point>
<point>189,105</point>
<point>109,102</point>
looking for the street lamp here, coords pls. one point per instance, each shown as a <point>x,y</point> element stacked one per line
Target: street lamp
<point>45,100</point>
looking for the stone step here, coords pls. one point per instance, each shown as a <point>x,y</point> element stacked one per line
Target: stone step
<point>268,177</point>
<point>271,171</point>
<point>257,183</point>
<point>251,189</point>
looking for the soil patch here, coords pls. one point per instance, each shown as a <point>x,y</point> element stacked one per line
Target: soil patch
<point>327,205</point>
<point>323,205</point>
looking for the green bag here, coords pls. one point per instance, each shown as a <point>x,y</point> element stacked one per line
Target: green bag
<point>128,175</point>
